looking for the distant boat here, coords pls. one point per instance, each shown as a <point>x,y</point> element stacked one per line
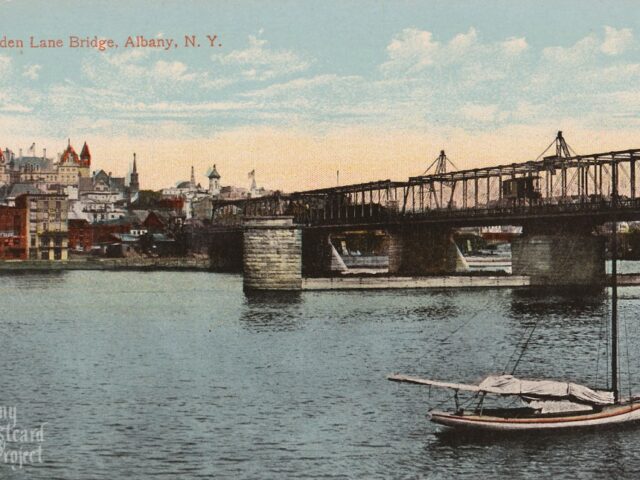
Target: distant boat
<point>546,404</point>
<point>498,258</point>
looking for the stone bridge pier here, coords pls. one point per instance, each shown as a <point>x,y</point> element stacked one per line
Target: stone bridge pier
<point>277,253</point>
<point>421,250</point>
<point>555,253</point>
<point>272,254</point>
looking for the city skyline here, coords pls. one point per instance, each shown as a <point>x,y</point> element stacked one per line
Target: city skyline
<point>296,95</point>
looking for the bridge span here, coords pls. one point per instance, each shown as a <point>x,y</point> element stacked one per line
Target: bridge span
<point>558,199</point>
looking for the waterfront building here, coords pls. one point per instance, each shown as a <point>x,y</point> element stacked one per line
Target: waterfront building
<point>9,192</point>
<point>46,172</point>
<point>85,237</point>
<point>13,233</point>
<point>103,197</point>
<point>47,232</point>
<point>4,175</point>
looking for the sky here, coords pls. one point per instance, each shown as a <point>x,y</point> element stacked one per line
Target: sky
<point>297,90</point>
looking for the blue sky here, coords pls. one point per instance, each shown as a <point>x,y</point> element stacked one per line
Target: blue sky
<point>304,88</point>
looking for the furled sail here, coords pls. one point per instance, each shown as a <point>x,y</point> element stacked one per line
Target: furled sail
<point>510,385</point>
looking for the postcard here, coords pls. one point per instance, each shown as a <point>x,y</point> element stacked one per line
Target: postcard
<point>295,239</point>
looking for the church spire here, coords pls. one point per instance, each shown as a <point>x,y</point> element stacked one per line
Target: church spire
<point>134,182</point>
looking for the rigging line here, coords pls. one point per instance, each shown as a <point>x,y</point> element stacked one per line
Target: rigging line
<point>606,344</point>
<point>506,366</point>
<point>602,322</point>
<point>432,164</point>
<point>571,149</point>
<point>456,330</point>
<point>471,399</point>
<point>626,344</point>
<point>511,356</point>
<point>444,401</point>
<point>545,150</point>
<point>524,349</point>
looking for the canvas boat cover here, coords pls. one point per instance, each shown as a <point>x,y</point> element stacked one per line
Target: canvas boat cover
<point>510,385</point>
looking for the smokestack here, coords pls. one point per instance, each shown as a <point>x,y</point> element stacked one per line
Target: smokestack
<point>44,153</point>
<point>20,153</point>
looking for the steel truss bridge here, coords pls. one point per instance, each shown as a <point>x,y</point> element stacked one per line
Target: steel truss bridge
<point>561,186</point>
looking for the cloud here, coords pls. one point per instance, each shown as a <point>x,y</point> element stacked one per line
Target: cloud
<point>181,107</point>
<point>260,62</point>
<point>413,51</point>
<point>5,66</point>
<point>616,41</point>
<point>580,52</point>
<point>143,76</point>
<point>514,45</point>
<point>32,72</point>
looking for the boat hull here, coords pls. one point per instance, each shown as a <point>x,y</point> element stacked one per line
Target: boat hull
<point>610,415</point>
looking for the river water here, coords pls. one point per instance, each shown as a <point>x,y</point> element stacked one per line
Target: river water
<point>139,375</point>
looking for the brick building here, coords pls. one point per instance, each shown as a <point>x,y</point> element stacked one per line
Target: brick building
<point>83,236</point>
<point>47,232</point>
<point>13,233</point>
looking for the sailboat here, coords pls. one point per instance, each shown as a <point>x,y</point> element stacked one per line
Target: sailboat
<point>546,405</point>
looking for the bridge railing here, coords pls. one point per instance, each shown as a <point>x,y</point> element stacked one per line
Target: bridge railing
<point>376,214</point>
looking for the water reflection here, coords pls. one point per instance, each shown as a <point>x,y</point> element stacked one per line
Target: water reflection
<point>564,451</point>
<point>558,301</point>
<point>33,280</point>
<point>275,311</point>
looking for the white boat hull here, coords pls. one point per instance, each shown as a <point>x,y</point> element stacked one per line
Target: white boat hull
<point>610,415</point>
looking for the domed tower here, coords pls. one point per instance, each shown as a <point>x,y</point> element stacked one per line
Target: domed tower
<point>214,182</point>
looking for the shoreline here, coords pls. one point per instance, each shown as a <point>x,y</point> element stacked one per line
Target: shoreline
<point>138,264</point>
<point>361,281</point>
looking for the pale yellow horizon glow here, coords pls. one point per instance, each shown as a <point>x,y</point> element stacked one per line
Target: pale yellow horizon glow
<point>290,160</point>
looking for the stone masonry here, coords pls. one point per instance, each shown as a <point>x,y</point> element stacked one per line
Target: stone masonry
<point>272,254</point>
<point>567,259</point>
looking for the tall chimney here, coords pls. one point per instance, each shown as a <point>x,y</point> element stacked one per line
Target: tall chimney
<point>44,153</point>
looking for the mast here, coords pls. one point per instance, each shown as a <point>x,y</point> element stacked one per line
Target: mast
<point>614,285</point>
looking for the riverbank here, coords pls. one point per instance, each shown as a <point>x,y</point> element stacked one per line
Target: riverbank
<point>133,264</point>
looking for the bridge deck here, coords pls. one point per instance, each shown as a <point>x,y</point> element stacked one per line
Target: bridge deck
<point>593,187</point>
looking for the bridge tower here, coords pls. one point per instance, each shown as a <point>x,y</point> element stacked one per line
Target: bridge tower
<point>440,164</point>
